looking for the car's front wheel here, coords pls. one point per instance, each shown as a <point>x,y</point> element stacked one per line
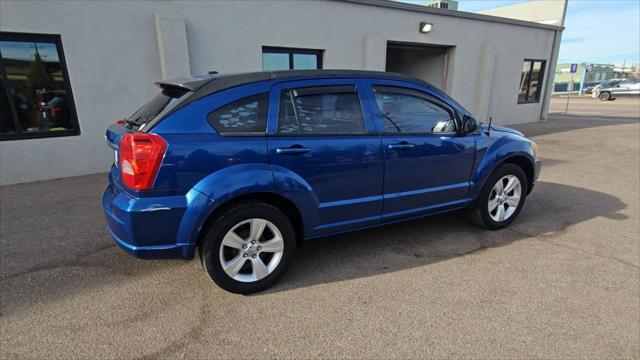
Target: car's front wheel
<point>248,248</point>
<point>501,199</point>
<point>604,96</point>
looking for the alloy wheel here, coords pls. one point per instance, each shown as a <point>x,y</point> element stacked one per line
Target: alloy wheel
<point>251,250</point>
<point>504,198</point>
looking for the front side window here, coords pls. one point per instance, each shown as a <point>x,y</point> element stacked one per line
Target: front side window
<point>274,58</point>
<point>247,116</point>
<point>320,110</point>
<point>531,81</point>
<point>35,94</point>
<point>410,111</point>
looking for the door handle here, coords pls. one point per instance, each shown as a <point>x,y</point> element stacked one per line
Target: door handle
<point>294,150</point>
<point>401,146</point>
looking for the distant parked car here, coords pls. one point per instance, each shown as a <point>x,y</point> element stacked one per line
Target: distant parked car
<point>241,167</point>
<point>608,89</point>
<point>588,87</point>
<point>44,96</point>
<point>55,112</point>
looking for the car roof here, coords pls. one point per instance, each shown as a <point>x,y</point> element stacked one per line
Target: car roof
<point>214,82</point>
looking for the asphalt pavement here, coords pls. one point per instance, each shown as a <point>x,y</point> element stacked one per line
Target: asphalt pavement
<point>562,282</point>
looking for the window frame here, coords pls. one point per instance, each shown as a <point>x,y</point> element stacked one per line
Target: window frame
<point>420,95</point>
<point>543,68</point>
<point>265,94</point>
<point>281,91</point>
<point>22,135</point>
<point>293,51</point>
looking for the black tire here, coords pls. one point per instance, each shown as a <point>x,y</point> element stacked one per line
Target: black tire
<point>480,212</point>
<point>604,96</point>
<point>210,247</point>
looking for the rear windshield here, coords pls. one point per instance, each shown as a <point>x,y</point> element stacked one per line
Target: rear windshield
<point>161,103</point>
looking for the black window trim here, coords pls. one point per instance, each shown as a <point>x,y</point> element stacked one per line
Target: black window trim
<point>292,51</point>
<point>543,67</point>
<point>56,39</point>
<point>248,133</point>
<point>364,131</point>
<point>421,95</point>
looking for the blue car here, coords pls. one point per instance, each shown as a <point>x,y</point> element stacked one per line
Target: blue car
<point>244,166</point>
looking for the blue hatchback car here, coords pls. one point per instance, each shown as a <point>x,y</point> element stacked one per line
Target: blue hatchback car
<point>244,166</point>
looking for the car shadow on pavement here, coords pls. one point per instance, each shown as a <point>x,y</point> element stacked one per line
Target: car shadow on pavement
<point>551,209</point>
<point>54,244</point>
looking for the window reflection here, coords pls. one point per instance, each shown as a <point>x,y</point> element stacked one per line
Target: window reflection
<point>531,81</point>
<point>34,97</point>
<point>408,111</point>
<point>524,81</point>
<point>305,61</point>
<point>245,116</point>
<point>320,110</point>
<point>275,61</point>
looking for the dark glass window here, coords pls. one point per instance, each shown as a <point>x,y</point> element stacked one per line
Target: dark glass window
<point>320,110</point>
<point>246,116</point>
<point>274,58</point>
<point>411,111</point>
<point>155,108</point>
<point>531,81</point>
<point>35,94</point>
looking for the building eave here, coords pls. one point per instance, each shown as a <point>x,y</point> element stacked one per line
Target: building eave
<point>390,4</point>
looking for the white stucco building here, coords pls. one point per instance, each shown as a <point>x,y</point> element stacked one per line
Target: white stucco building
<point>70,74</point>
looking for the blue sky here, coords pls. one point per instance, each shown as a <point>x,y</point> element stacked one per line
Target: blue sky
<point>596,31</point>
<point>24,50</point>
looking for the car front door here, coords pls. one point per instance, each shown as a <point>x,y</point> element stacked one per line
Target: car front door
<point>321,142</point>
<point>427,164</point>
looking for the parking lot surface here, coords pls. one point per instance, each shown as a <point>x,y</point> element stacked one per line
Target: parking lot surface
<point>562,282</point>
<point>626,106</point>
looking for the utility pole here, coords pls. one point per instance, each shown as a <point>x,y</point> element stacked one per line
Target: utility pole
<point>573,69</point>
<point>566,108</point>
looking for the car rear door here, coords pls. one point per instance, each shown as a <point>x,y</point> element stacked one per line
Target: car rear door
<point>427,165</point>
<point>320,140</point>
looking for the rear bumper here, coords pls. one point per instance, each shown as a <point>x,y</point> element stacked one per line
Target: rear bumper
<point>172,251</point>
<point>155,227</point>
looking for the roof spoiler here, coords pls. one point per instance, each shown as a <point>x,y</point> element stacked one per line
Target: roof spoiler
<point>180,86</point>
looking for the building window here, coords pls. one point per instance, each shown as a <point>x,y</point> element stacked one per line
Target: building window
<point>274,58</point>
<point>444,5</point>
<point>531,81</point>
<point>35,94</point>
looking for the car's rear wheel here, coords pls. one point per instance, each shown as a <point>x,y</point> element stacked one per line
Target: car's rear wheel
<point>604,96</point>
<point>248,248</point>
<point>501,199</point>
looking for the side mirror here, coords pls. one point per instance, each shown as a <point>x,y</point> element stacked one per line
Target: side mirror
<point>469,124</point>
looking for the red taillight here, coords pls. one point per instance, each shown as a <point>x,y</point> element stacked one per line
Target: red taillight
<point>55,112</point>
<point>120,122</point>
<point>140,158</point>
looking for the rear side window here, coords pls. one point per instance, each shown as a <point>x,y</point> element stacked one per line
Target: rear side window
<point>320,110</point>
<point>410,111</point>
<point>247,116</point>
